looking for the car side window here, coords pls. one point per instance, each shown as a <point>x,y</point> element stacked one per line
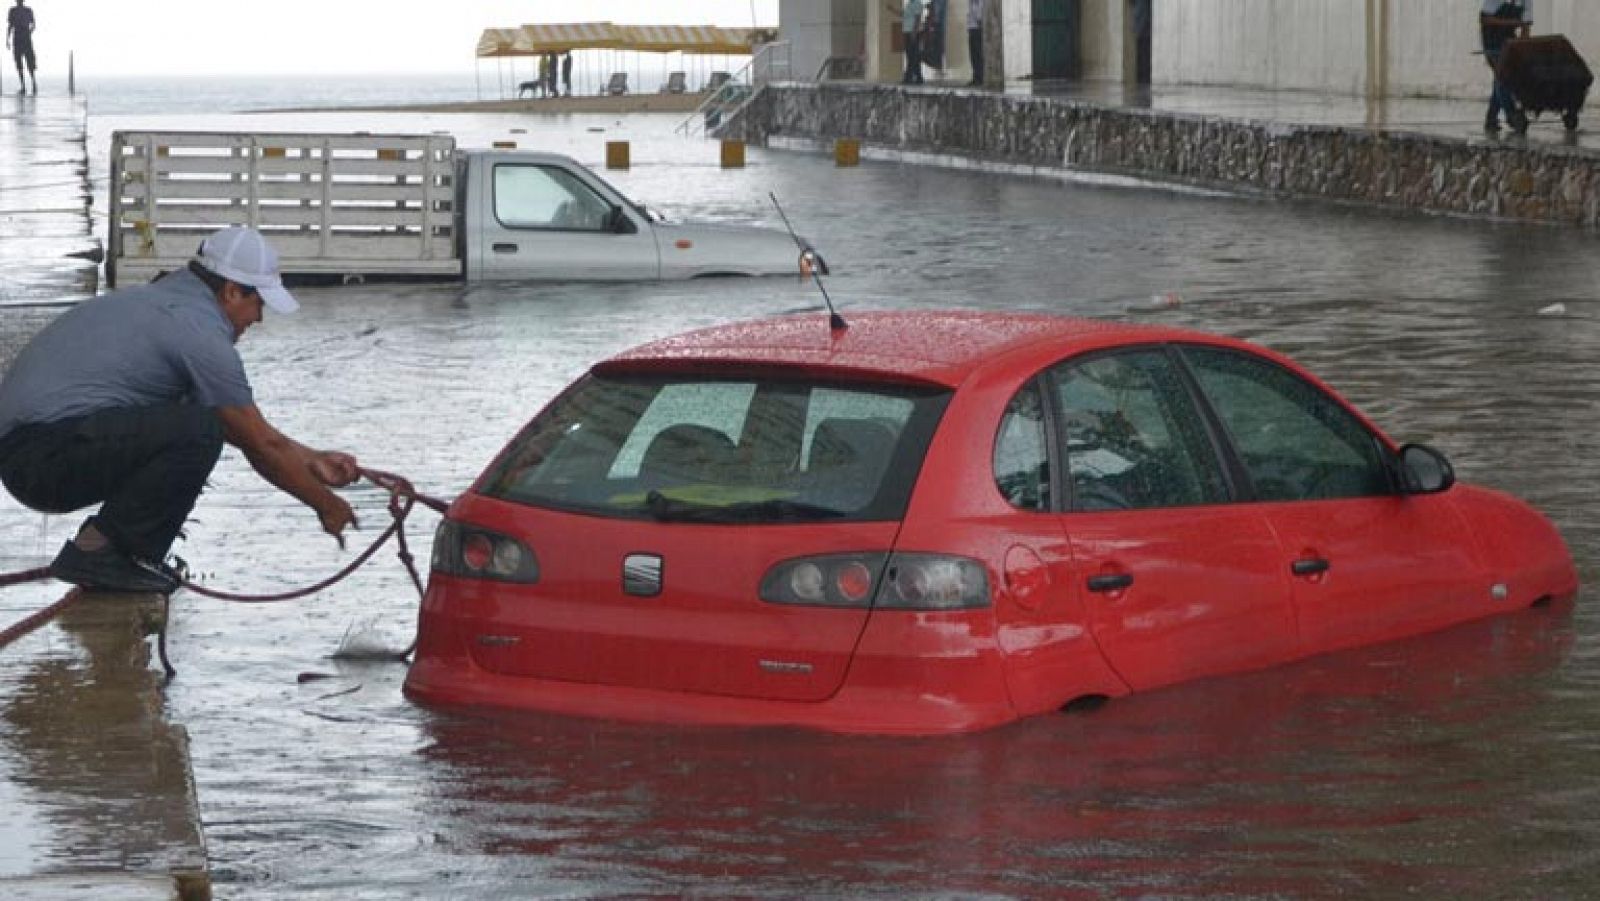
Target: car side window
<point>546,197</point>
<point>1021,455</point>
<point>1133,436</point>
<point>1296,442</point>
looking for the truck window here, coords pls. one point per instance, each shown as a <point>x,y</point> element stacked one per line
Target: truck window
<point>546,197</point>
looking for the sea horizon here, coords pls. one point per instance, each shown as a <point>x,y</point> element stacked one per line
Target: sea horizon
<point>123,95</point>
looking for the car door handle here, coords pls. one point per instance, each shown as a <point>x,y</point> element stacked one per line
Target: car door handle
<point>1309,566</point>
<point>505,248</point>
<point>1110,582</point>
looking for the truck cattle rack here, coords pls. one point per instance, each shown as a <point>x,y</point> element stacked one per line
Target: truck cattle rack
<point>346,206</point>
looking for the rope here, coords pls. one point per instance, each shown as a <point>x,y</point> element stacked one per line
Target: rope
<point>402,498</point>
<point>36,620</point>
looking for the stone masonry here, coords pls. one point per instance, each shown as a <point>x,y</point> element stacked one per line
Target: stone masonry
<point>1508,179</point>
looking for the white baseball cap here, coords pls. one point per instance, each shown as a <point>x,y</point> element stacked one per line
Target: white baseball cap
<point>240,254</point>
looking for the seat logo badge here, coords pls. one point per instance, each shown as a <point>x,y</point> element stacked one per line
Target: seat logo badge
<point>641,575</point>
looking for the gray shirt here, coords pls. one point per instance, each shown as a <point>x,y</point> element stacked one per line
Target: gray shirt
<point>163,343</point>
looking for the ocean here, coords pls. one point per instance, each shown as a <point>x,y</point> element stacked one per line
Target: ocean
<point>493,80</point>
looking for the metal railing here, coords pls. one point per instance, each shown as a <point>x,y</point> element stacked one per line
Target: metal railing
<point>770,62</point>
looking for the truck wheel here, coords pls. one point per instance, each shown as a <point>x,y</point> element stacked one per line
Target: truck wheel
<point>1570,119</point>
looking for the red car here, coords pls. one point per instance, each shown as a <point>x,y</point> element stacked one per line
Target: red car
<point>943,521</point>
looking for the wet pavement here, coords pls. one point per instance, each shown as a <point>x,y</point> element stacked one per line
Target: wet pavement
<point>1459,763</point>
<point>44,207</point>
<point>1433,116</point>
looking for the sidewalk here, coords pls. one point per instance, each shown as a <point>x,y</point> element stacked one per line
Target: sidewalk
<point>95,783</point>
<point>1411,155</point>
<point>45,201</point>
<point>1434,117</point>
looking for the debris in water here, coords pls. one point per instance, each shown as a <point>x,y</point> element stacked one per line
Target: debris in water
<point>363,641</point>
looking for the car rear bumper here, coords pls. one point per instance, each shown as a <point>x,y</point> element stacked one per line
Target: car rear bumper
<point>892,694</point>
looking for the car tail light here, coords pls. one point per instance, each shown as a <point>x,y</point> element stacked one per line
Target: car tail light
<point>880,581</point>
<point>461,550</point>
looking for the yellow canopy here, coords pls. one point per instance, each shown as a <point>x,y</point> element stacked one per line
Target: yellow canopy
<point>532,40</point>
<point>559,38</point>
<point>503,42</point>
<point>677,38</point>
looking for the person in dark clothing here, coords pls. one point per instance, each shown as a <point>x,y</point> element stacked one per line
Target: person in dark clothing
<point>125,401</point>
<point>19,37</point>
<point>566,73</point>
<point>1499,21</point>
<point>975,40</point>
<point>911,31</point>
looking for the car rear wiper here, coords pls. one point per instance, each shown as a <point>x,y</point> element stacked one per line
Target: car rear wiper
<point>667,509</point>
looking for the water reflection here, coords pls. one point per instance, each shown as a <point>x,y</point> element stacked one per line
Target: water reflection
<point>1334,775</point>
<point>89,742</point>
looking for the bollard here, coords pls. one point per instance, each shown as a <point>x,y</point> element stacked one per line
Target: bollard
<point>846,152</point>
<point>733,154</point>
<point>616,154</point>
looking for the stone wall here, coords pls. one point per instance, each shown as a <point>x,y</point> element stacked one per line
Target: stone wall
<point>1509,180</point>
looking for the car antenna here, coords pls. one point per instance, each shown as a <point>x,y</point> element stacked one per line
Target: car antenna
<point>835,321</point>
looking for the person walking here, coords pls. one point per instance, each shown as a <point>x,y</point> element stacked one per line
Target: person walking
<point>975,40</point>
<point>566,73</point>
<point>1498,22</point>
<point>19,37</point>
<point>911,30</point>
<point>544,75</point>
<point>126,400</point>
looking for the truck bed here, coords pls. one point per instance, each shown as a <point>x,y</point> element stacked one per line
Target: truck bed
<point>352,205</point>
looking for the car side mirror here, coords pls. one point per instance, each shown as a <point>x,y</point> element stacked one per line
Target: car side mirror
<point>618,223</point>
<point>1425,470</point>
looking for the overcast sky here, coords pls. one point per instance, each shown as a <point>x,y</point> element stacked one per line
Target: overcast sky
<point>227,37</point>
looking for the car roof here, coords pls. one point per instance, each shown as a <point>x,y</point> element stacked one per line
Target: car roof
<point>940,347</point>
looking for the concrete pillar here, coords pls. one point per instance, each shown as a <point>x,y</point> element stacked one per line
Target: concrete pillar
<point>882,63</point>
<point>1015,30</point>
<point>994,53</point>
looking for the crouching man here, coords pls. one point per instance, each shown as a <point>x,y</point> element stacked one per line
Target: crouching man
<point>125,401</point>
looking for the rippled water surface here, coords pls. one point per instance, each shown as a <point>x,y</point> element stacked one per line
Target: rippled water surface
<point>1462,763</point>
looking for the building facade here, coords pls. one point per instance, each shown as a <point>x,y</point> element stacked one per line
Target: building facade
<point>1375,48</point>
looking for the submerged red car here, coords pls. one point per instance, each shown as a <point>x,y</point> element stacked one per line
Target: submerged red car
<point>936,522</point>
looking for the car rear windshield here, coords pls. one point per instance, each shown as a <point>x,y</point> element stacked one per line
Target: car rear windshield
<point>693,448</point>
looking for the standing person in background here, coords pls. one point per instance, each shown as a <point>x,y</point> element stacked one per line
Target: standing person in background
<point>566,73</point>
<point>975,40</point>
<point>1499,21</point>
<point>1140,15</point>
<point>19,37</point>
<point>911,30</point>
<point>544,75</point>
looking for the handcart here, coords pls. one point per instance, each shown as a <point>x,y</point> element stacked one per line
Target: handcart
<point>1544,73</point>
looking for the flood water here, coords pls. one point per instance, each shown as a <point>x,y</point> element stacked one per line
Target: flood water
<point>1462,763</point>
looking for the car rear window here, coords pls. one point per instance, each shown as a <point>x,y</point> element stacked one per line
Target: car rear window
<point>694,448</point>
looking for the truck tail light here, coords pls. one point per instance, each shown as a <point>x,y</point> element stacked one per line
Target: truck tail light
<point>879,581</point>
<point>462,550</point>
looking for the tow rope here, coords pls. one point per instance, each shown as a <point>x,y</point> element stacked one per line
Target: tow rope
<point>403,496</point>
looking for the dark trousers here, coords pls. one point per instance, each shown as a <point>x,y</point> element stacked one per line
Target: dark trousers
<point>1500,99</point>
<point>144,466</point>
<point>975,53</point>
<point>913,58</point>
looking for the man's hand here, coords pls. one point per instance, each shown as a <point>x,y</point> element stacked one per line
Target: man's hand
<point>335,468</point>
<point>335,516</point>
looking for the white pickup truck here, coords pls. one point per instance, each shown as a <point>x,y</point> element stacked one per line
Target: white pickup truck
<point>364,205</point>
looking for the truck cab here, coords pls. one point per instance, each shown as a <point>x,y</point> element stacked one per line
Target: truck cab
<point>546,216</point>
